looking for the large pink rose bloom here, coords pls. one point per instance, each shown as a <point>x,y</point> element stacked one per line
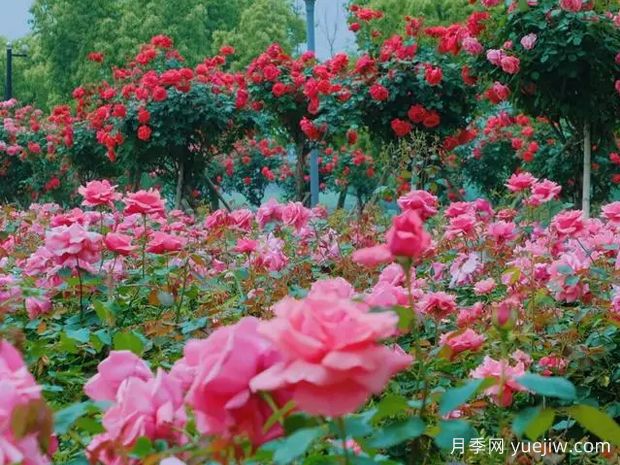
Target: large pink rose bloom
<point>505,379</point>
<point>98,193</point>
<point>218,371</point>
<point>144,202</point>
<point>162,242</point>
<point>271,211</point>
<point>151,408</point>
<point>611,212</point>
<point>119,366</point>
<point>407,237</point>
<point>333,358</point>
<point>17,387</point>
<point>295,214</point>
<point>422,202</point>
<point>519,182</point>
<point>74,246</point>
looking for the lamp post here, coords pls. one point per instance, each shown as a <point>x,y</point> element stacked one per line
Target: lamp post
<point>314,157</point>
<point>8,87</point>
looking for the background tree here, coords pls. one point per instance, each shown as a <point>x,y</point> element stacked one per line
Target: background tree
<point>66,31</point>
<point>264,22</point>
<point>562,65</point>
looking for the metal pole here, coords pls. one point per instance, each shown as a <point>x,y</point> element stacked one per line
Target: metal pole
<point>314,156</point>
<point>8,88</point>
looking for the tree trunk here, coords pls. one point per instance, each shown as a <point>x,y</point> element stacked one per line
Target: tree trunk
<point>179,193</point>
<point>587,162</point>
<point>300,172</point>
<point>216,196</point>
<point>342,197</point>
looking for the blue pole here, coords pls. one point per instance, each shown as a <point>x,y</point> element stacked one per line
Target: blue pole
<point>314,157</point>
<point>8,89</point>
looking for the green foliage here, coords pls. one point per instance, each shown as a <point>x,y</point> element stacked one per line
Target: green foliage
<point>264,23</point>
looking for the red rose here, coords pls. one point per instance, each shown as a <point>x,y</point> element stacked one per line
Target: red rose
<point>159,94</point>
<point>432,119</point>
<point>351,136</point>
<point>379,93</point>
<point>400,127</point>
<point>279,89</point>
<point>144,133</point>
<point>433,75</point>
<point>417,113</point>
<point>143,116</point>
<point>354,27</point>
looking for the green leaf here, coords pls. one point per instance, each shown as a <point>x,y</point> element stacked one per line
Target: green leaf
<point>539,424</point>
<point>453,429</point>
<point>296,445</point>
<point>550,386</point>
<point>453,398</point>
<point>143,447</point>
<point>523,419</point>
<point>390,405</point>
<point>79,335</point>
<point>396,433</point>
<point>405,317</point>
<point>565,269</point>
<point>65,418</point>
<point>104,313</point>
<point>128,341</point>
<point>596,422</point>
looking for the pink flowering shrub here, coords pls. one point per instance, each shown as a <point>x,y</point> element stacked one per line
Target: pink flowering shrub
<point>439,299</point>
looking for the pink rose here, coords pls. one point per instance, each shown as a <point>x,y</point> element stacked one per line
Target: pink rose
<point>571,5</point>
<point>502,232</point>
<point>17,388</point>
<point>407,237</point>
<point>269,212</point>
<point>422,202</point>
<point>520,181</point>
<point>118,243</point>
<point>460,341</point>
<point>218,371</point>
<point>472,46</point>
<point>144,202</point>
<point>543,192</point>
<point>528,41</point>
<point>505,379</point>
<point>333,360</point>
<point>568,223</point>
<point>338,287</point>
<point>242,219</point>
<point>510,64</point>
<point>162,242</point>
<point>119,366</point>
<point>611,212</point>
<point>295,214</point>
<point>97,193</point>
<point>246,245</point>
<point>152,408</point>
<point>37,306</point>
<point>495,56</point>
<point>552,366</point>
<point>74,247</point>
<point>485,286</point>
<point>373,256</point>
<point>436,304</point>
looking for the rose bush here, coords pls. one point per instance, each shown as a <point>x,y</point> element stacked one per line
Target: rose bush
<point>236,333</point>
